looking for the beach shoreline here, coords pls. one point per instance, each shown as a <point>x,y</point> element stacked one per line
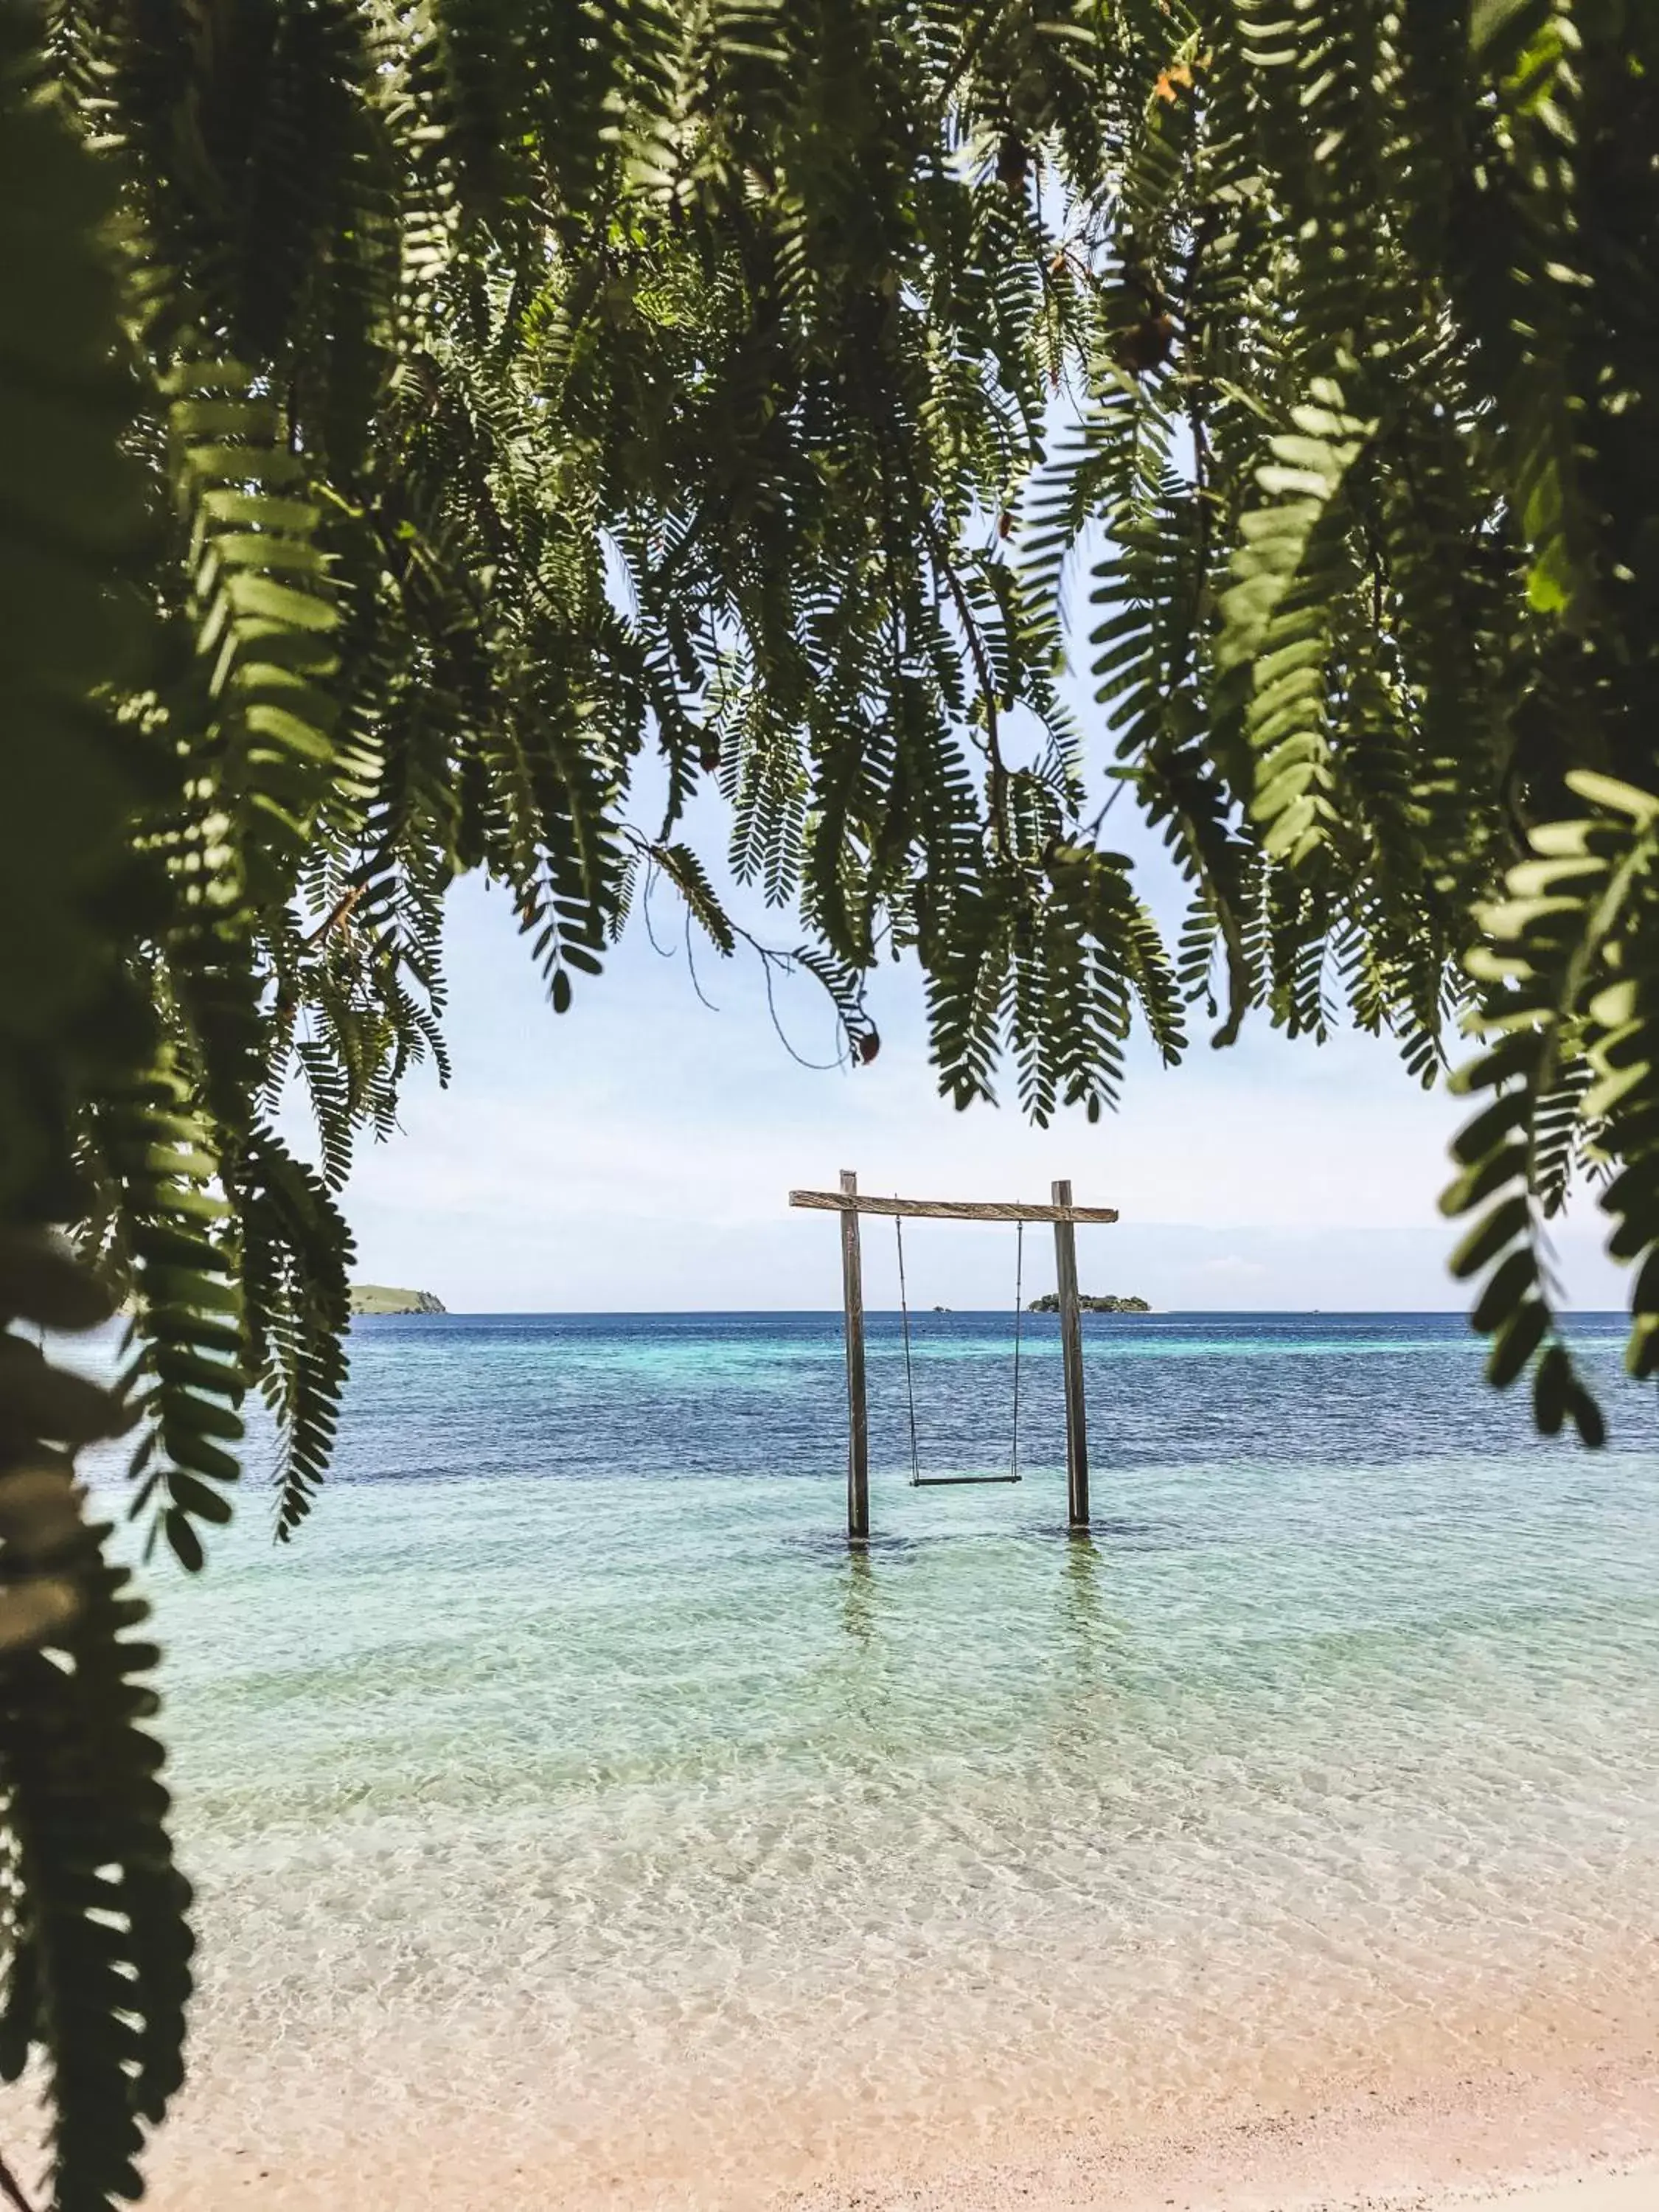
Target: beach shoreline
<point>1582,2138</point>
<point>1632,2190</point>
<point>1591,2188</point>
<point>1586,2140</point>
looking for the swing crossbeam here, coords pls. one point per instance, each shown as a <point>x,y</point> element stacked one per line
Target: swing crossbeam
<point>945,1209</point>
<point>1063,1215</point>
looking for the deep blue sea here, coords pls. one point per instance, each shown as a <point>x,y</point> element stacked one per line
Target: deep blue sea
<point>656,1397</point>
<point>569,1780</point>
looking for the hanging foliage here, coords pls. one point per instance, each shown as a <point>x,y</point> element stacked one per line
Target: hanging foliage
<point>415,421</point>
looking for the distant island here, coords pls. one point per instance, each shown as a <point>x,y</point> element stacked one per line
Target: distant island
<point>376,1299</point>
<point>1049,1303</point>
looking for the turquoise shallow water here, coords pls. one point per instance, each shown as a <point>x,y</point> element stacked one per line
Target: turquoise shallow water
<point>569,1775</point>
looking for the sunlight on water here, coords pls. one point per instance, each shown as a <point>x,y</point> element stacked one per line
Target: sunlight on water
<point>569,1762</point>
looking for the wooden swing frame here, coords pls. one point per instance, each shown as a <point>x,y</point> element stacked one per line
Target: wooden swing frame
<point>1063,1215</point>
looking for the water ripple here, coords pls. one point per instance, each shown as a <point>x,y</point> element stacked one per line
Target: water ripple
<point>571,1733</point>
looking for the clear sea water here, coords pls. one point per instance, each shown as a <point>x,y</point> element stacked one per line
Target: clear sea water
<point>570,1779</point>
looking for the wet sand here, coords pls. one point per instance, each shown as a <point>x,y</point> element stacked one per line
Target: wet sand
<point>1580,2138</point>
<point>1633,2192</point>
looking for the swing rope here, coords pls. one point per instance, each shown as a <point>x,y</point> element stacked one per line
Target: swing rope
<point>909,1375</point>
<point>1019,1279</point>
<point>918,1479</point>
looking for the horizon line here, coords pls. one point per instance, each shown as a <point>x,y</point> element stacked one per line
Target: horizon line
<point>834,1312</point>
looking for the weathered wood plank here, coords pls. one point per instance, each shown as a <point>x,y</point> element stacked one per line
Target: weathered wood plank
<point>1070,1345</point>
<point>957,1481</point>
<point>858,1421</point>
<point>942,1209</point>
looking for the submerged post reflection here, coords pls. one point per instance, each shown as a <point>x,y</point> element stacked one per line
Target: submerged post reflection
<point>1088,1625</point>
<point>858,1596</point>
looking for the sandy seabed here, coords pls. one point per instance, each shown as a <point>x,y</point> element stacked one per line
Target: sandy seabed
<point>1298,1851</point>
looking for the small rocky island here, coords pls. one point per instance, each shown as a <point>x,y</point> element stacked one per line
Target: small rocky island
<point>1049,1303</point>
<point>377,1298</point>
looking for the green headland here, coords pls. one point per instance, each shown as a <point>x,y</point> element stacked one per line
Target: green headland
<point>378,1298</point>
<point>1049,1303</point>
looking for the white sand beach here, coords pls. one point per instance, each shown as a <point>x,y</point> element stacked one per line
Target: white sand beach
<point>1585,2140</point>
<point>1582,2136</point>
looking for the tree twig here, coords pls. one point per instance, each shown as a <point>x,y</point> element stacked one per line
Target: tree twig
<point>663,952</point>
<point>340,912</point>
<point>773,963</point>
<point>769,960</point>
<point>691,964</point>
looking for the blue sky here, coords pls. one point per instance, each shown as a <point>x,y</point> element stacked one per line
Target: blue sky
<point>635,1154</point>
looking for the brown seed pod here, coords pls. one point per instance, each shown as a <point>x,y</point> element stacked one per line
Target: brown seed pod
<point>1145,344</point>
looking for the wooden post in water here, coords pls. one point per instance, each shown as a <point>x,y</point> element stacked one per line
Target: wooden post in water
<point>1070,1352</point>
<point>1064,1217</point>
<point>858,1422</point>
